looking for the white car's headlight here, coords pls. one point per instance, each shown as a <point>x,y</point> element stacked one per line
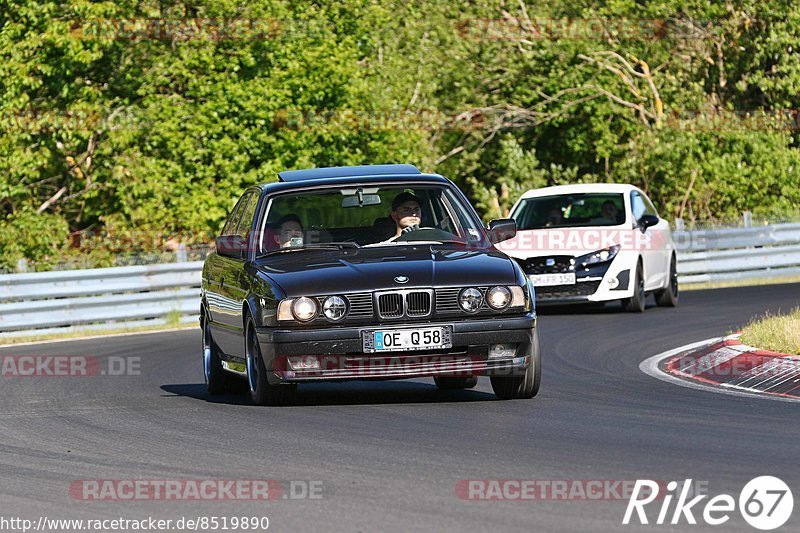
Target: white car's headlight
<point>470,300</point>
<point>498,297</point>
<point>600,256</point>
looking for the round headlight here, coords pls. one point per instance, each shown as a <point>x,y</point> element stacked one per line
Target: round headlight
<point>334,308</point>
<point>498,297</point>
<point>470,300</point>
<point>304,309</point>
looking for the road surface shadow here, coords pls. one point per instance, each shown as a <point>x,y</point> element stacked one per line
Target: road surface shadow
<point>610,308</point>
<point>346,393</point>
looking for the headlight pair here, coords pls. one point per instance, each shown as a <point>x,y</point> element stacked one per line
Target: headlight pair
<point>498,298</point>
<point>305,309</point>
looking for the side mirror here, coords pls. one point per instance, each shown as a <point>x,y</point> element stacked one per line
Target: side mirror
<point>648,220</point>
<point>502,229</point>
<point>231,246</point>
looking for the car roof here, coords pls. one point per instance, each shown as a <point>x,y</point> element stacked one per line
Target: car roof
<point>581,188</point>
<point>320,177</point>
<point>346,172</point>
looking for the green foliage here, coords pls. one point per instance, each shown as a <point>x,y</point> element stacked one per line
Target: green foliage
<point>136,133</point>
<point>716,175</point>
<point>517,170</point>
<point>37,237</point>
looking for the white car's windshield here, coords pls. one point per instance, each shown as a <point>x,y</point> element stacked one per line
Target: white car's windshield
<point>368,216</point>
<point>570,210</point>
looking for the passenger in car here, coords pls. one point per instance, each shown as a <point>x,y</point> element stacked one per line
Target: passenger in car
<point>610,213</point>
<point>290,231</point>
<point>554,217</point>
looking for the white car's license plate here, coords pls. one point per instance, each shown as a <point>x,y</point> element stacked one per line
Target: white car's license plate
<point>544,280</point>
<point>401,340</point>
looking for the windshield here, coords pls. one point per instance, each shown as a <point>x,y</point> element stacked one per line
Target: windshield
<point>570,210</point>
<point>373,216</point>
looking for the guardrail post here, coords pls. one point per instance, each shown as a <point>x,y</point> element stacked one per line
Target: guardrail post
<point>22,265</point>
<point>181,253</point>
<point>748,219</point>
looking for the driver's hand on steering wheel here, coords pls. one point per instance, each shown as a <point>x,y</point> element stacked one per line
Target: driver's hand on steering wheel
<point>409,229</point>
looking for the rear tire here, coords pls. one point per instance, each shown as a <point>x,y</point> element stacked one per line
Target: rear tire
<point>635,304</point>
<point>261,391</point>
<point>217,379</point>
<point>453,383</point>
<point>668,297</point>
<point>525,386</point>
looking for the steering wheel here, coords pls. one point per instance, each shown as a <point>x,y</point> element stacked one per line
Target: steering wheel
<point>427,234</point>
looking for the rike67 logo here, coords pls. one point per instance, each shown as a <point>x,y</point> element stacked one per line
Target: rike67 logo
<point>765,503</point>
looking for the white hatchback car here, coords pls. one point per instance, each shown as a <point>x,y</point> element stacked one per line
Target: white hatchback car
<point>594,243</point>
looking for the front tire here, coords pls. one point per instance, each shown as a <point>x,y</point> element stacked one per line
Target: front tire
<point>525,386</point>
<point>635,304</point>
<point>261,391</point>
<point>217,380</point>
<point>668,297</point>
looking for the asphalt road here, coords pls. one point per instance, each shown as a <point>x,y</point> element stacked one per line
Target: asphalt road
<point>388,455</point>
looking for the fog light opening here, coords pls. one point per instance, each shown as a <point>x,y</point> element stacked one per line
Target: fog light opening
<point>612,282</point>
<point>305,362</point>
<point>502,350</point>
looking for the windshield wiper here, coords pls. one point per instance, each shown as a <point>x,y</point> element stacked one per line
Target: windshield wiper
<point>334,244</point>
<point>412,243</point>
<point>313,246</point>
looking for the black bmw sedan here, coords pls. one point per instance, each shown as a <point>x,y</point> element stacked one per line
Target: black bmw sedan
<point>369,272</point>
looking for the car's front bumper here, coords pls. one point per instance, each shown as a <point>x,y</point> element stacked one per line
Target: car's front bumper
<point>601,283</point>
<point>337,353</point>
<point>590,289</point>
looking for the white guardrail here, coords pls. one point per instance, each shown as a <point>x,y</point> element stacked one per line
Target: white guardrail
<point>109,298</point>
<point>99,298</point>
<point>733,254</point>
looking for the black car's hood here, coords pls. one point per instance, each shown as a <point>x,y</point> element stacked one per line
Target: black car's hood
<point>312,272</point>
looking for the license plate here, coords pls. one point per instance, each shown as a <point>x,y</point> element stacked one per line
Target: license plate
<point>544,280</point>
<point>402,340</point>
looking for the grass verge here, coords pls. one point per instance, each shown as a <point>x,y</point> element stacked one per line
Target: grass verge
<point>739,283</point>
<point>775,333</point>
<point>79,334</point>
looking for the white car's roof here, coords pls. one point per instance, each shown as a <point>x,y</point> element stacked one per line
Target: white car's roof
<point>580,188</point>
